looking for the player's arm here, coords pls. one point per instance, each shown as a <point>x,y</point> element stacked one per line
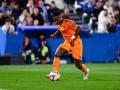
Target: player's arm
<point>78,30</point>
<point>55,34</point>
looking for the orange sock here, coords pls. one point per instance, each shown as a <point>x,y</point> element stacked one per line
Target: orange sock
<point>56,64</point>
<point>84,69</point>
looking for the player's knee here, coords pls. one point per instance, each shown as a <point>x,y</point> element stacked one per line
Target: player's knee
<point>60,52</point>
<point>58,55</point>
<point>78,64</point>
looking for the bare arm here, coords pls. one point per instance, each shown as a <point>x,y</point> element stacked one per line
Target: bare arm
<point>78,30</point>
<point>55,34</point>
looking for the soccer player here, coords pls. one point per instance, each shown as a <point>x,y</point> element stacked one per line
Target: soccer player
<point>70,32</point>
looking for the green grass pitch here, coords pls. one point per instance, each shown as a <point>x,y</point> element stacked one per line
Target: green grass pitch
<point>32,77</point>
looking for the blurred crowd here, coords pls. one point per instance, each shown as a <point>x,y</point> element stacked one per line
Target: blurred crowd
<point>25,12</point>
<point>101,15</point>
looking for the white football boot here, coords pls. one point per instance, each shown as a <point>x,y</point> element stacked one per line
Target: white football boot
<point>86,74</point>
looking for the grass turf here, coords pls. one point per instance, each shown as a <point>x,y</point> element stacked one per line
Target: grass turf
<point>32,77</point>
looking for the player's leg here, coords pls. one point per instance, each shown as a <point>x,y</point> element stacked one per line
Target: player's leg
<point>58,54</point>
<point>82,67</point>
<point>77,55</point>
<point>79,65</point>
<point>55,75</point>
<point>62,49</point>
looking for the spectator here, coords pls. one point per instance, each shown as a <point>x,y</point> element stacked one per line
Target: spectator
<point>29,21</point>
<point>12,3</point>
<point>77,4</point>
<point>10,16</point>
<point>69,4</point>
<point>8,27</point>
<point>113,3</point>
<point>108,7</point>
<point>88,6</point>
<point>16,11</point>
<point>27,51</point>
<point>43,11</point>
<point>30,6</point>
<point>23,16</point>
<point>111,27</point>
<point>103,20</point>
<point>52,8</point>
<point>66,13</point>
<point>43,51</point>
<point>87,9</point>
<point>37,16</point>
<point>22,3</point>
<point>2,18</point>
<point>97,9</point>
<point>36,3</point>
<point>3,7</point>
<point>78,7</point>
<point>94,16</point>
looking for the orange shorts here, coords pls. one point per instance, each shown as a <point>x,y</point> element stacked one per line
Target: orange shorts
<point>76,50</point>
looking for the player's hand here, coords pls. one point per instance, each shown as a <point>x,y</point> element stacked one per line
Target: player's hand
<point>72,40</point>
<point>52,36</point>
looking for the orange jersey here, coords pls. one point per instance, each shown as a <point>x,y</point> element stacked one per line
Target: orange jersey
<point>67,29</point>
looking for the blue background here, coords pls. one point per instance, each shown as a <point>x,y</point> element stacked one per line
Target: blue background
<point>97,47</point>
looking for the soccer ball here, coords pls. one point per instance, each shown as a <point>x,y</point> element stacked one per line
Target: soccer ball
<point>54,76</point>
